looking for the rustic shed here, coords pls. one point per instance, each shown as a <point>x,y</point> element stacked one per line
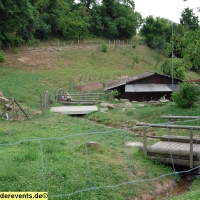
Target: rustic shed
<point>145,87</point>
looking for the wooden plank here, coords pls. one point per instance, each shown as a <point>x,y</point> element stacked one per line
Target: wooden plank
<point>145,141</point>
<point>179,139</point>
<point>160,145</point>
<point>178,146</point>
<point>173,145</point>
<point>168,126</point>
<point>183,146</point>
<point>166,151</point>
<point>196,148</point>
<point>166,145</point>
<point>179,117</point>
<point>170,154</point>
<point>176,161</point>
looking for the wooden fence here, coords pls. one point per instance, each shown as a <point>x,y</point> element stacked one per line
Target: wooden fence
<point>78,98</point>
<point>62,44</point>
<point>180,155</point>
<point>45,100</point>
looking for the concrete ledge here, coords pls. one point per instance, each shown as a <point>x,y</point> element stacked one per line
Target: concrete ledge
<point>74,110</point>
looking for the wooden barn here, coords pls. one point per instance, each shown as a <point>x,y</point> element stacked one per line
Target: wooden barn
<point>145,87</point>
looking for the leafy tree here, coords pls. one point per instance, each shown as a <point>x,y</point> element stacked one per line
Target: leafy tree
<point>190,45</point>
<point>135,60</point>
<point>179,68</point>
<point>96,23</point>
<point>160,45</point>
<point>119,19</point>
<point>62,17</point>
<point>187,95</point>
<point>175,44</point>
<point>189,20</point>
<point>154,29</point>
<point>16,20</point>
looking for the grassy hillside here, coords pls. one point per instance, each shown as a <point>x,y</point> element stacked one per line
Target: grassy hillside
<point>29,73</point>
<point>49,151</point>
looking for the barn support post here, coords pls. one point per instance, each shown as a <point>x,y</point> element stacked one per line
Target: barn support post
<point>145,141</point>
<point>191,147</point>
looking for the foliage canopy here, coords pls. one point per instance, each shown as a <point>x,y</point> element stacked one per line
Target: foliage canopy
<point>187,95</point>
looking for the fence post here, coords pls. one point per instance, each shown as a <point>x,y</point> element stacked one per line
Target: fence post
<point>169,129</point>
<point>145,141</point>
<point>191,147</point>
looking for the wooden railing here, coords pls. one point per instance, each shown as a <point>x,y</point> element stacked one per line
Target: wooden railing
<point>169,137</point>
<point>80,97</point>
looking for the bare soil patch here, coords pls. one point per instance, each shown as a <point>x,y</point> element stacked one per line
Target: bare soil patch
<point>32,60</point>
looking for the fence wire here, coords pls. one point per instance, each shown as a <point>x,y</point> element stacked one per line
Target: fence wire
<point>123,134</point>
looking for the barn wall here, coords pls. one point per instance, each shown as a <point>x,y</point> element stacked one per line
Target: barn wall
<point>147,96</point>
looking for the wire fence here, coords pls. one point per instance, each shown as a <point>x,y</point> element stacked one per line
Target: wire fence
<point>68,168</point>
<point>58,45</point>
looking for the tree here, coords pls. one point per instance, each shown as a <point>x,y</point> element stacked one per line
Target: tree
<point>187,95</point>
<point>119,19</point>
<point>16,20</point>
<point>189,20</point>
<point>179,68</point>
<point>159,44</point>
<point>153,29</point>
<point>190,45</point>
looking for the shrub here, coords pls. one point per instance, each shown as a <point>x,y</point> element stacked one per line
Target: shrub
<point>110,95</point>
<point>133,46</point>
<point>124,51</point>
<point>187,95</point>
<point>2,56</point>
<point>104,47</point>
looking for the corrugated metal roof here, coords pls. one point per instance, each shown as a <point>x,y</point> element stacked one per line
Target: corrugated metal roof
<point>150,88</point>
<point>140,76</point>
<point>117,83</point>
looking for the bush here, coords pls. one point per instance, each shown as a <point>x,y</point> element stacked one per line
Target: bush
<point>104,47</point>
<point>187,95</point>
<point>110,95</point>
<point>133,46</point>
<point>2,56</point>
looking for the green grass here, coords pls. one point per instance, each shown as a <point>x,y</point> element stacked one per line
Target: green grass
<point>52,157</point>
<point>48,152</point>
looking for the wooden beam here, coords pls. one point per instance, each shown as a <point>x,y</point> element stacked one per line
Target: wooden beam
<point>179,117</point>
<point>145,141</point>
<point>182,139</point>
<point>168,126</point>
<point>175,161</point>
<point>168,151</point>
